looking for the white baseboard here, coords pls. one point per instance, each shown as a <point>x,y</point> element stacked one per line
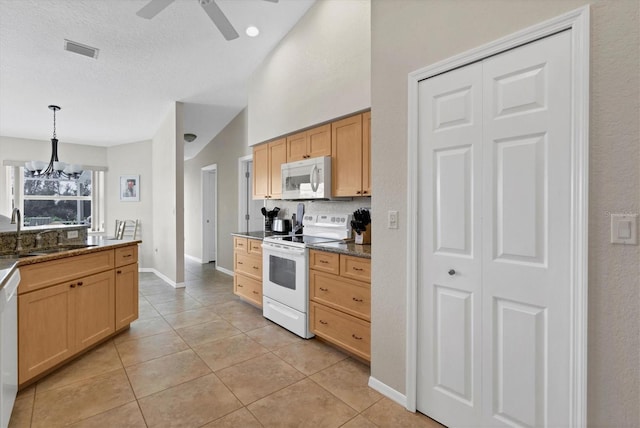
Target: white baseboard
<point>223,270</point>
<point>193,258</point>
<point>163,277</point>
<point>387,391</point>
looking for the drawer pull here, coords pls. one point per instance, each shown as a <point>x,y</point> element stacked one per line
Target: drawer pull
<point>324,289</point>
<point>357,269</point>
<point>127,256</point>
<point>119,272</point>
<point>255,292</point>
<point>256,267</point>
<point>80,284</point>
<point>324,262</point>
<point>356,337</point>
<point>356,299</point>
<point>323,322</point>
<point>72,286</point>
<point>240,285</point>
<point>240,263</point>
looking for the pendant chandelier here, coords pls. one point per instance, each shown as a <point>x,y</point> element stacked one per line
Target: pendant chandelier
<point>55,169</point>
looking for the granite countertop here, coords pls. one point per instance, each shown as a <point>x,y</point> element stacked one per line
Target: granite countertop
<point>94,244</point>
<point>343,247</point>
<point>253,235</point>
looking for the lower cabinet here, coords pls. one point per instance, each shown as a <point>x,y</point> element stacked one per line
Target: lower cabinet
<point>340,306</point>
<point>55,323</point>
<point>247,275</point>
<point>60,316</point>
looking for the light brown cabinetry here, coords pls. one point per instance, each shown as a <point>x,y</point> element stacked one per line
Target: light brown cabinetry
<point>340,294</point>
<point>62,313</point>
<point>309,144</point>
<point>350,156</point>
<point>267,174</point>
<point>247,261</point>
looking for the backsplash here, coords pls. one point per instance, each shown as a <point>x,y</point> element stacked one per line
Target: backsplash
<point>48,238</point>
<point>318,207</point>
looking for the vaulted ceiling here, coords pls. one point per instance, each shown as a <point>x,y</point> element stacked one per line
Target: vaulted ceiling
<point>142,67</point>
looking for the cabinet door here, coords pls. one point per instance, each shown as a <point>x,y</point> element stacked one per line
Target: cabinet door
<point>126,295</point>
<point>94,307</point>
<point>296,147</point>
<point>277,156</point>
<point>346,156</point>
<point>260,171</point>
<point>45,330</point>
<point>318,141</point>
<point>366,153</point>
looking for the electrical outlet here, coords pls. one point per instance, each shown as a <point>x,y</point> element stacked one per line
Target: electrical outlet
<point>72,234</point>
<point>392,221</point>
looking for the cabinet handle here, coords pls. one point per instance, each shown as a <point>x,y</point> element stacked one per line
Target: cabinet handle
<point>240,263</point>
<point>127,256</point>
<point>323,322</point>
<point>72,286</point>
<point>240,285</point>
<point>324,262</point>
<point>358,192</point>
<point>80,284</point>
<point>256,267</point>
<point>255,292</point>
<point>357,269</point>
<point>356,299</point>
<point>119,272</point>
<point>324,289</point>
<point>364,192</point>
<point>356,337</point>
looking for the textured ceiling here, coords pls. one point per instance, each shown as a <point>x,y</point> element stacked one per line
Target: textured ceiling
<point>143,66</point>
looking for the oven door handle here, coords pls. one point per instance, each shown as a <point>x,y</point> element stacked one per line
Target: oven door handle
<point>289,252</point>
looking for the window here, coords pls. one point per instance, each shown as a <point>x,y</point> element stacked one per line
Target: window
<point>59,201</point>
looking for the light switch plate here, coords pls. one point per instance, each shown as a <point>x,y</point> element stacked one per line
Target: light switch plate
<point>392,221</point>
<point>624,229</point>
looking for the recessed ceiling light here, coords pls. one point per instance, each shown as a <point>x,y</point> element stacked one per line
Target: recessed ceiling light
<point>252,31</point>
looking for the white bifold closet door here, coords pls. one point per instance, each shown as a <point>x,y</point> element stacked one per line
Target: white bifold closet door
<point>494,299</point>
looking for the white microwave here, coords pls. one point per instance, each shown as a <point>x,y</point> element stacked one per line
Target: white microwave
<point>307,179</point>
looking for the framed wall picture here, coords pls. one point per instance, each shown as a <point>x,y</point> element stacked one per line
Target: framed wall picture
<point>130,188</point>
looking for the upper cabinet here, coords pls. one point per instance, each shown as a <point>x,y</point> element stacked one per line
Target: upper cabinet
<point>267,174</point>
<point>350,156</point>
<point>309,144</point>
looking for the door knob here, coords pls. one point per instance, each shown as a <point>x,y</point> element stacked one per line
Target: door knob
<point>452,272</point>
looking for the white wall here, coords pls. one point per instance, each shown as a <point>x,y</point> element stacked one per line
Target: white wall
<point>321,70</point>
<point>167,191</point>
<point>224,150</point>
<point>131,159</point>
<point>408,35</point>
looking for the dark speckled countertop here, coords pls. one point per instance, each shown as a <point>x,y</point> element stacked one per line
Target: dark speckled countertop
<point>341,247</point>
<point>95,244</point>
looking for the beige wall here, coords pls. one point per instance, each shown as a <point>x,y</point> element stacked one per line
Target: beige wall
<point>224,150</point>
<point>167,166</point>
<point>321,70</point>
<point>131,159</point>
<point>409,35</point>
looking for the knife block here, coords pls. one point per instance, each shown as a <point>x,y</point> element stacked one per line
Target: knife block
<point>364,237</point>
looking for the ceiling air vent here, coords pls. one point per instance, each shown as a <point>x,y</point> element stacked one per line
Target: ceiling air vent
<point>81,49</point>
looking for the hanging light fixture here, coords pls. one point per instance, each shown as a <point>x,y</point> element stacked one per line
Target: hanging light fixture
<point>55,169</point>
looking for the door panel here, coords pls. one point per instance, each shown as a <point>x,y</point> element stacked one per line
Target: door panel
<point>449,315</point>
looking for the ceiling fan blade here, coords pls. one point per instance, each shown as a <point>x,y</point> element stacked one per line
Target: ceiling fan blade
<point>153,8</point>
<point>218,17</point>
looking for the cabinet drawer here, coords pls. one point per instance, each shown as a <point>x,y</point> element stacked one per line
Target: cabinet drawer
<point>352,297</point>
<point>324,261</point>
<point>40,275</point>
<point>350,333</point>
<point>255,247</point>
<point>355,267</point>
<point>240,244</point>
<point>248,265</point>
<point>126,255</point>
<point>248,288</point>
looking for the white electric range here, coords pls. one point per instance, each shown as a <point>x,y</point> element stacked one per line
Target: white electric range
<point>285,269</point>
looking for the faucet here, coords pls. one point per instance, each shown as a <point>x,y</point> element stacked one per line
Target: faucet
<point>16,218</point>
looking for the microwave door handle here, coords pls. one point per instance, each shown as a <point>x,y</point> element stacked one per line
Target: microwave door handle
<point>315,178</point>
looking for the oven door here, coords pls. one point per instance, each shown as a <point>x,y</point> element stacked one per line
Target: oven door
<point>284,275</point>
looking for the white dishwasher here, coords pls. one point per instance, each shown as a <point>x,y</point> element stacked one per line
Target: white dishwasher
<point>8,347</point>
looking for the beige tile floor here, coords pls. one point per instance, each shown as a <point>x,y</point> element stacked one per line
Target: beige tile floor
<point>199,357</point>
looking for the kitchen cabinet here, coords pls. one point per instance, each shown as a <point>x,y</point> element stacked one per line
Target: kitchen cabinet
<point>126,277</point>
<point>351,156</point>
<point>309,144</point>
<point>67,305</point>
<point>247,261</point>
<point>340,300</point>
<point>267,175</point>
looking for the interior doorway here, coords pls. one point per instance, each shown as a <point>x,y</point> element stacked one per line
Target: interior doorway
<point>249,217</point>
<point>209,188</point>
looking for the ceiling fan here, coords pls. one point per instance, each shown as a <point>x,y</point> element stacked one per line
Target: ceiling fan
<point>216,14</point>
